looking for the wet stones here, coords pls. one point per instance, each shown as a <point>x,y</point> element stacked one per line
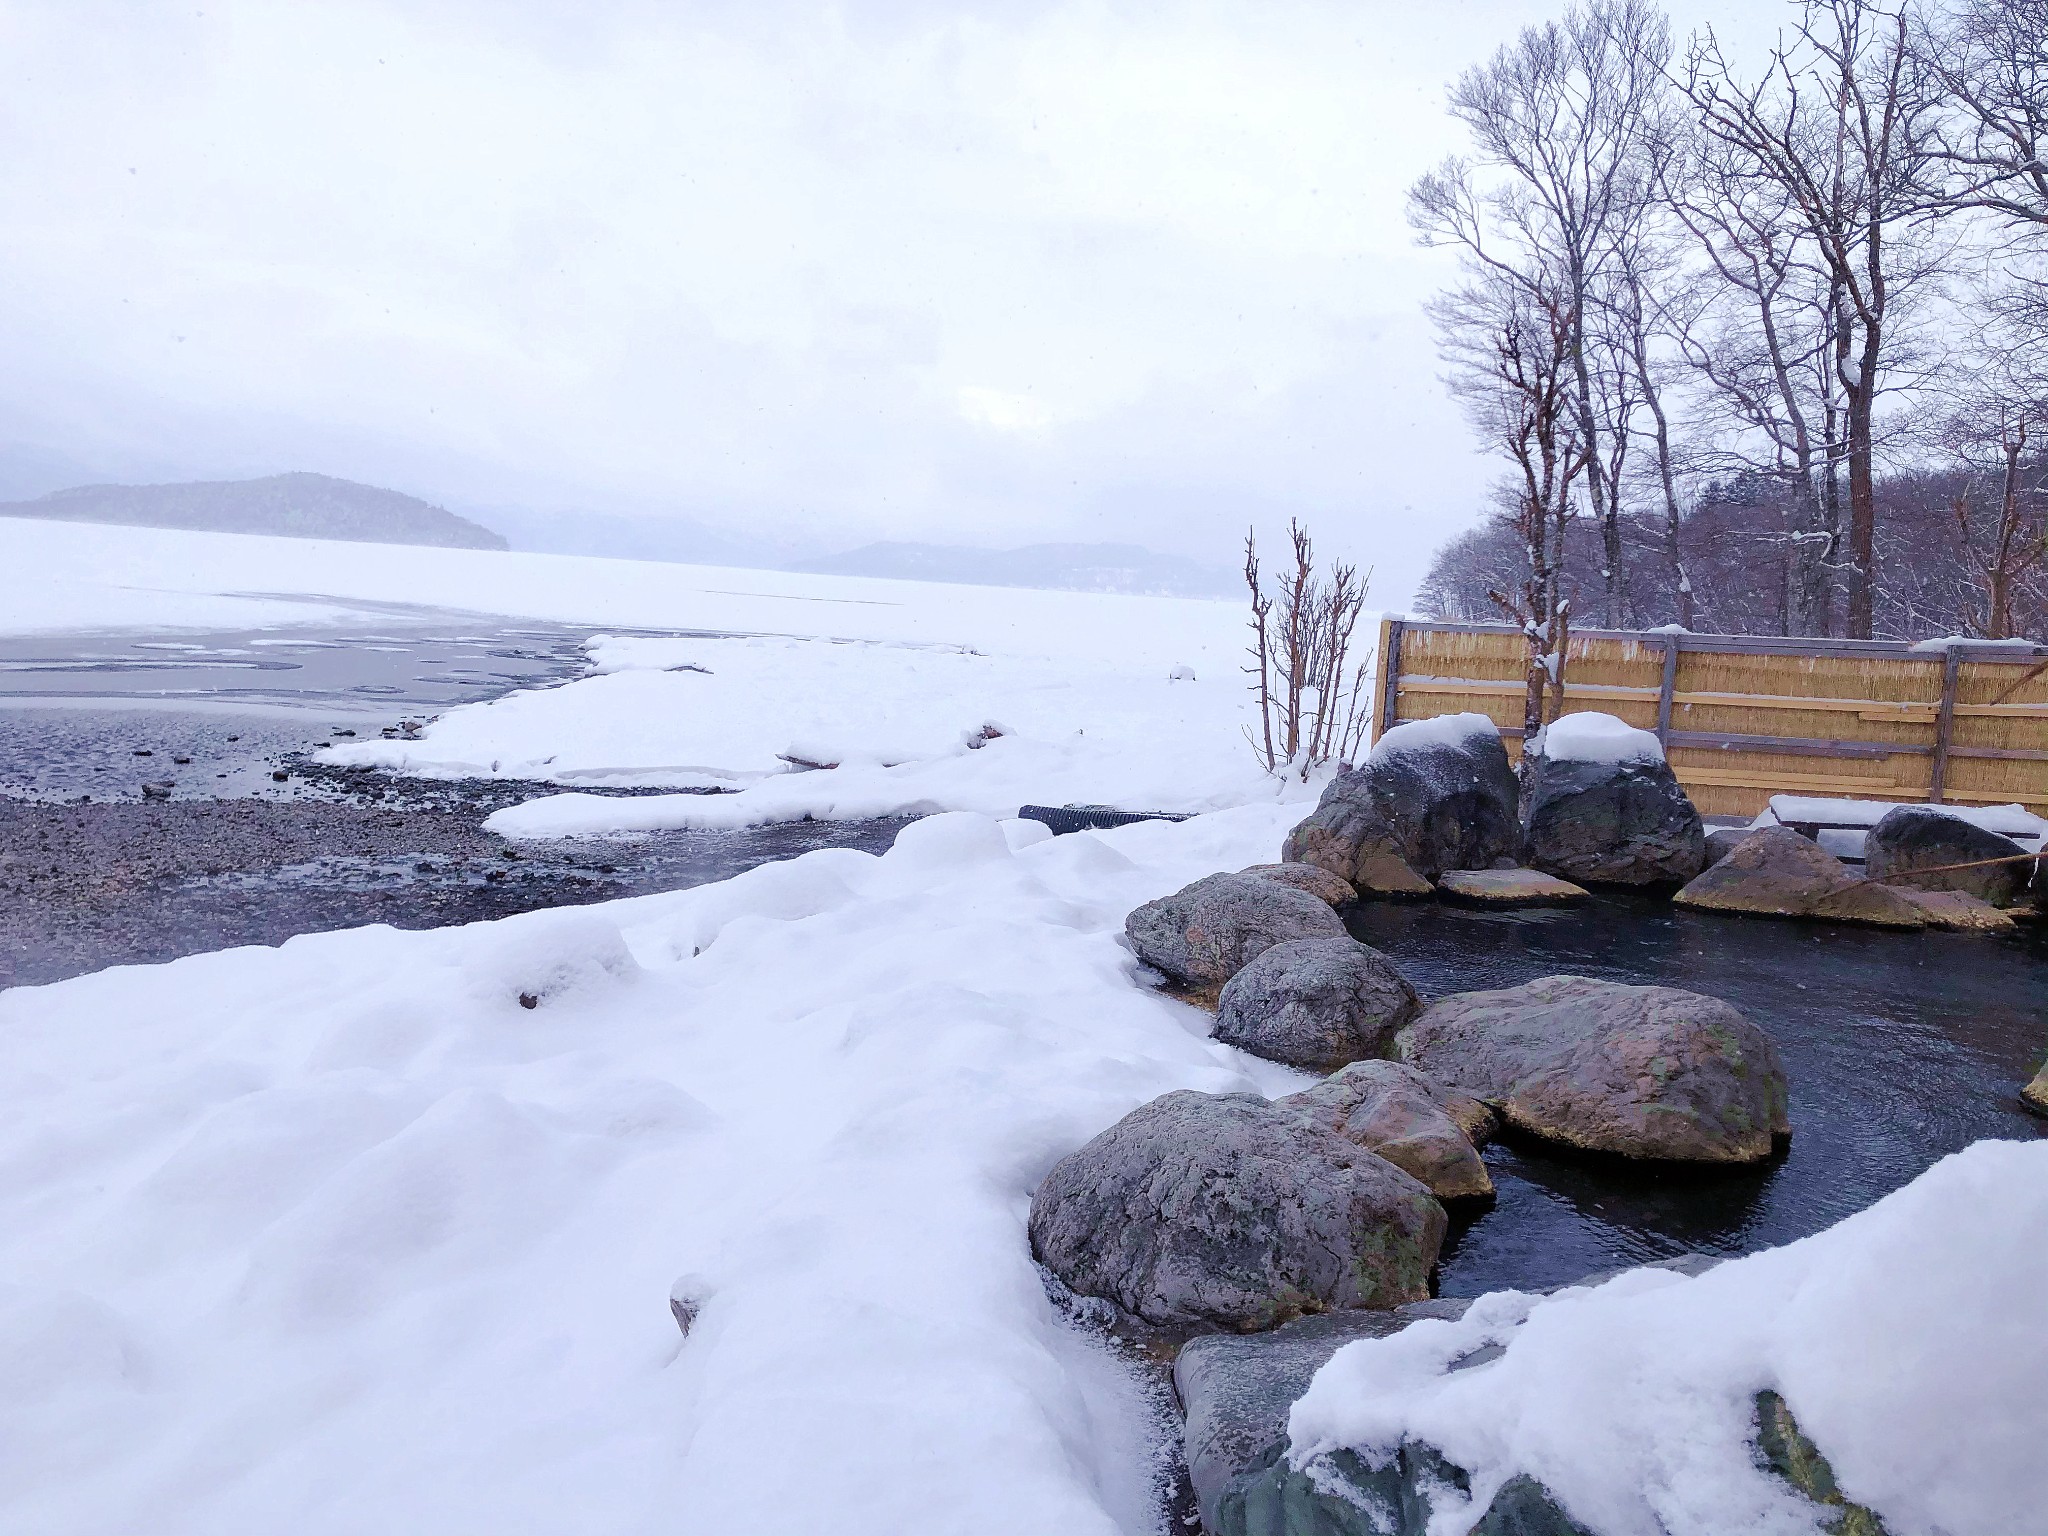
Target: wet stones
<point>1508,887</point>
<point>1641,1072</point>
<point>1224,1211</point>
<point>1315,1004</point>
<point>1419,1126</point>
<point>1777,873</point>
<point>1609,823</point>
<point>1205,933</point>
<point>1913,838</point>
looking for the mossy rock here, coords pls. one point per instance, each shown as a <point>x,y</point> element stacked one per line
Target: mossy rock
<point>1787,1452</point>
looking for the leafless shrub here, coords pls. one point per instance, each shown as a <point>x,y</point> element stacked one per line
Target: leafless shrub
<point>1312,704</point>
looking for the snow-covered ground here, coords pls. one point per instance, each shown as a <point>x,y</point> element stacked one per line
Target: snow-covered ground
<point>921,696</point>
<point>1906,1340</point>
<point>338,1237</point>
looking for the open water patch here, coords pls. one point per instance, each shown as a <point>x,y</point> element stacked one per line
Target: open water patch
<point>1900,1048</point>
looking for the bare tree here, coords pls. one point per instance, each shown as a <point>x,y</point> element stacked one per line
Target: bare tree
<point>1557,120</point>
<point>1310,687</point>
<point>1507,335</point>
<point>1990,58</point>
<point>1756,324</point>
<point>1841,127</point>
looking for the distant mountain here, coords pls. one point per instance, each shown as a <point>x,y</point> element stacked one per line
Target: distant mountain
<point>619,536</point>
<point>300,506</point>
<point>1071,567</point>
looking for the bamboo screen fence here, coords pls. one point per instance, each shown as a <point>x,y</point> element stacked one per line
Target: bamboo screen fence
<point>1743,717</point>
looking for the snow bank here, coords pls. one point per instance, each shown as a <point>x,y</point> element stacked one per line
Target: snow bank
<point>1587,736</point>
<point>898,729</point>
<point>1907,1341</point>
<point>342,1237</point>
<point>1436,731</point>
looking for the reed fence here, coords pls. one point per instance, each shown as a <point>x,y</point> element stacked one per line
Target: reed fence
<point>1745,717</point>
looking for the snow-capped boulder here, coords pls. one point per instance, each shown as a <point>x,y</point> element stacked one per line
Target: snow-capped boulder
<point>1600,804</point>
<point>1433,795</point>
<point>1315,1004</point>
<point>1205,933</point>
<point>1200,1210</point>
<point>1419,1126</point>
<point>1237,1391</point>
<point>1914,838</point>
<point>1774,872</point>
<point>1313,878</point>
<point>1641,1072</point>
<point>1446,788</point>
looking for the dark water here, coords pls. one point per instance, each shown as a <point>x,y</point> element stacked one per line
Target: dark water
<point>103,714</point>
<point>1900,1048</point>
<point>243,840</point>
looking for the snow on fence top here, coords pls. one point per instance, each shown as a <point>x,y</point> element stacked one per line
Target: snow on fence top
<point>1588,736</point>
<point>1436,731</point>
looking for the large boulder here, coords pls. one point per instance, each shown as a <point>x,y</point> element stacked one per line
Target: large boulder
<point>1641,1072</point>
<point>1775,872</point>
<point>1446,788</point>
<point>1914,840</point>
<point>1348,837</point>
<point>1221,1211</point>
<point>1317,881</point>
<point>1419,1126</point>
<point>1433,795</point>
<point>1600,804</point>
<point>1315,1004</point>
<point>1957,910</point>
<point>1205,933</point>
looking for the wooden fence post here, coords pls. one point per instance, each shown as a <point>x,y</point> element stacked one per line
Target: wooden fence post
<point>1669,687</point>
<point>1944,721</point>
<point>1390,676</point>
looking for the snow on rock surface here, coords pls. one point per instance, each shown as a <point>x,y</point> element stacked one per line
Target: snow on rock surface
<point>338,1237</point>
<point>1907,1340</point>
<point>2014,821</point>
<point>1588,736</point>
<point>1436,731</point>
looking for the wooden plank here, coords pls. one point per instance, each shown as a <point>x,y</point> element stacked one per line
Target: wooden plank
<point>1944,722</point>
<point>1387,705</point>
<point>1905,711</point>
<point>1425,684</point>
<point>1667,688</point>
<point>2010,754</point>
<point>1798,746</point>
<point>1765,778</point>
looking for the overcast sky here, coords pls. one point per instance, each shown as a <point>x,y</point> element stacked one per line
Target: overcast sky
<point>978,273</point>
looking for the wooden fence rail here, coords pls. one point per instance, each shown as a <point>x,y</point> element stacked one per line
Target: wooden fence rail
<point>1745,717</point>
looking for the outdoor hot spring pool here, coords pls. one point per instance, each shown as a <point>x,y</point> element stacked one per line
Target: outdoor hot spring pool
<point>1900,1048</point>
